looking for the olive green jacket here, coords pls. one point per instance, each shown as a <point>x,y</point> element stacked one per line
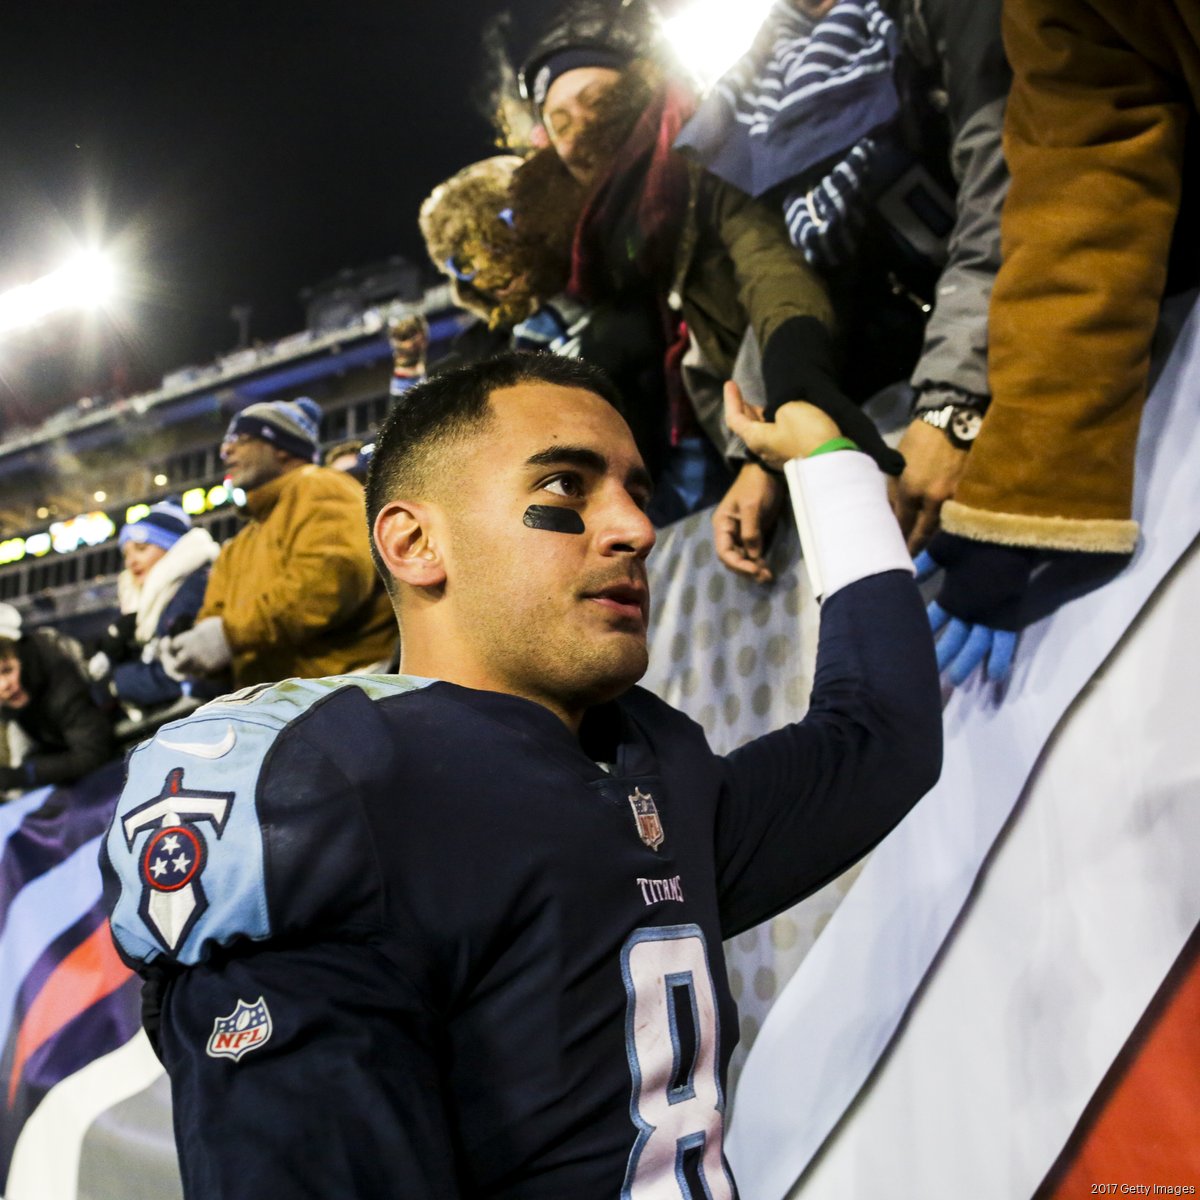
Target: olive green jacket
<point>736,270</point>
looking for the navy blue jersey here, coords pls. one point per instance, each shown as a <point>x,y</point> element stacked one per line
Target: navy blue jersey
<point>416,942</point>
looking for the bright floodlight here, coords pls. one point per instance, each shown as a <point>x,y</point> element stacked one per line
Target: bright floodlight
<point>711,35</point>
<point>85,282</point>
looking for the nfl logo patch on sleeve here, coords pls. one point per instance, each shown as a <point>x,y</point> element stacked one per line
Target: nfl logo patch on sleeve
<point>246,1028</point>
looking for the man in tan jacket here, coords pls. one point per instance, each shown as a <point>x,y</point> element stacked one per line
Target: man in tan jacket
<point>294,593</point>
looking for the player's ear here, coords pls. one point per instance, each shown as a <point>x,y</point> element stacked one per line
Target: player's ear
<point>405,540</point>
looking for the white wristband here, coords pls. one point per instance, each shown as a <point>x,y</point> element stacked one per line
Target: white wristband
<point>847,528</point>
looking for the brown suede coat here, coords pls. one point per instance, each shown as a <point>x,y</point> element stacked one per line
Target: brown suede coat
<point>296,587</point>
<point>1094,136</point>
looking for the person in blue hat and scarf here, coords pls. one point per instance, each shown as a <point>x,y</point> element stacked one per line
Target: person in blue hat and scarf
<point>160,591</point>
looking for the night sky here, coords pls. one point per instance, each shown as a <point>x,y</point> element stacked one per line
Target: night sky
<point>232,153</point>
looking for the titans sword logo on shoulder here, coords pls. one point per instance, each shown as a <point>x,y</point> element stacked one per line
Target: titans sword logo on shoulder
<point>174,856</point>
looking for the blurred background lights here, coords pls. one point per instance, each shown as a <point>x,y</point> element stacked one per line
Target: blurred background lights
<point>87,281</point>
<point>87,529</point>
<point>709,36</point>
<point>196,501</point>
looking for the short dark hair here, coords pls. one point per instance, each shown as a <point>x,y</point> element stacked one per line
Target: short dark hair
<point>449,406</point>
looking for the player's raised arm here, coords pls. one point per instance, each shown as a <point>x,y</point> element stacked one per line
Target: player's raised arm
<point>803,803</point>
<point>245,888</point>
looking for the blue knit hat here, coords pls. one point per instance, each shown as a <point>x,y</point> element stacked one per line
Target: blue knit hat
<point>292,425</point>
<point>163,526</point>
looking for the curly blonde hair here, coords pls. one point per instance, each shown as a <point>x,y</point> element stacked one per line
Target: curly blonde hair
<point>463,224</point>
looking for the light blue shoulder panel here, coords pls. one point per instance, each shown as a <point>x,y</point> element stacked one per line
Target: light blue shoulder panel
<point>185,845</point>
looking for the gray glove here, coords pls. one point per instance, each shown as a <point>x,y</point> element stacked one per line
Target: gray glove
<point>201,650</point>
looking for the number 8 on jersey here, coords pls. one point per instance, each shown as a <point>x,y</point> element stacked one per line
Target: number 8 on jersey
<point>671,1037</point>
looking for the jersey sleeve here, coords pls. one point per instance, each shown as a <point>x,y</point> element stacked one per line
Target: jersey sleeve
<point>243,878</point>
<point>803,803</point>
<point>299,1106</point>
<point>245,821</point>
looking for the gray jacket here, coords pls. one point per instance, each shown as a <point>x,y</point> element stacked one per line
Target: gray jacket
<point>958,44</point>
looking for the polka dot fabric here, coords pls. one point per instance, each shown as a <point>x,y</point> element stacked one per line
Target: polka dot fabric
<point>738,657</point>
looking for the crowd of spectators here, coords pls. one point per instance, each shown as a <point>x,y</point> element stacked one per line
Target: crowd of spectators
<point>293,593</point>
<point>832,221</point>
<point>828,222</point>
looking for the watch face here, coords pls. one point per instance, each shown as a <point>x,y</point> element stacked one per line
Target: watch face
<point>964,425</point>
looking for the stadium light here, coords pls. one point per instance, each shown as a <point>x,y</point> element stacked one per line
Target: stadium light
<point>87,281</point>
<point>709,36</point>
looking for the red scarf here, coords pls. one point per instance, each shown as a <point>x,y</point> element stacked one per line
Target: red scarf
<point>629,230</point>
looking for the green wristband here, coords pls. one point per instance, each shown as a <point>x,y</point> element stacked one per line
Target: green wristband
<point>837,443</point>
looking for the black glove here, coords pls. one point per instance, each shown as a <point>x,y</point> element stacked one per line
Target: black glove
<point>180,623</point>
<point>1010,587</point>
<point>118,639</point>
<point>797,364</point>
<point>990,592</point>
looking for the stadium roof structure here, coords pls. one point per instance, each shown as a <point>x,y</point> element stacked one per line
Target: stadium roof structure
<point>232,381</point>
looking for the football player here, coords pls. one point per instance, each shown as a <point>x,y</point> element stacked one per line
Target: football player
<point>457,932</point>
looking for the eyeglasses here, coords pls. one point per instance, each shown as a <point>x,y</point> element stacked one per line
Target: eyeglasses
<point>238,439</point>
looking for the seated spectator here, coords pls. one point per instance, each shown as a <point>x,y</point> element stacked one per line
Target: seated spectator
<point>348,457</point>
<point>294,592</point>
<point>160,591</point>
<point>409,338</point>
<point>45,693</point>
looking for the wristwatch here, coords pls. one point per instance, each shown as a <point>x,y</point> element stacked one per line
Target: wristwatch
<point>959,422</point>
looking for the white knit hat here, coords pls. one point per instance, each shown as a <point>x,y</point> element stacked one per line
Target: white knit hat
<point>10,622</point>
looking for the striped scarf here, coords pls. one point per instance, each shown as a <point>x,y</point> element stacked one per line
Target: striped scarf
<point>807,94</point>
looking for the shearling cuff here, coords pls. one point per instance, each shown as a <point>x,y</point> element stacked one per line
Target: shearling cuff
<point>1089,535</point>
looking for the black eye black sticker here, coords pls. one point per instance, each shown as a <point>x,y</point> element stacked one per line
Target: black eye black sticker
<point>556,520</point>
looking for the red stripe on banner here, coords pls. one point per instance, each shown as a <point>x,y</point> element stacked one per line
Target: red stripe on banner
<point>1143,1127</point>
<point>89,973</point>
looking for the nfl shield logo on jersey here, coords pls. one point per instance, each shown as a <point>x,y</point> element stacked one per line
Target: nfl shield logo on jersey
<point>645,813</point>
<point>246,1028</point>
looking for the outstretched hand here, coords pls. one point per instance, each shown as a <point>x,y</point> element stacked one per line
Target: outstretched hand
<point>745,519</point>
<point>798,429</point>
<point>932,470</point>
